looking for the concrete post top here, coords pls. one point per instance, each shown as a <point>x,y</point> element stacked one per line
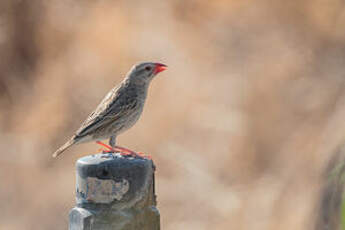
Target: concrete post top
<point>112,179</point>
<point>110,158</point>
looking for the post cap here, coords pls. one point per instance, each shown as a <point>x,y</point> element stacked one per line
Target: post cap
<point>112,179</point>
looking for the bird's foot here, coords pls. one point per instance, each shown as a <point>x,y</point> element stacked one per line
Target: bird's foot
<point>132,153</point>
<point>123,151</point>
<point>143,155</point>
<point>108,148</point>
<point>128,151</point>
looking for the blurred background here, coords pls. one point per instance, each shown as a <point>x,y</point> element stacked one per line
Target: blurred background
<point>246,127</point>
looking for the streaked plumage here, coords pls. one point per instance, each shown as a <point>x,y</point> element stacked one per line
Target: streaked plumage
<point>119,110</point>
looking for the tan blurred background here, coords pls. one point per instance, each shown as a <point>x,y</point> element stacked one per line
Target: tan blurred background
<point>246,127</point>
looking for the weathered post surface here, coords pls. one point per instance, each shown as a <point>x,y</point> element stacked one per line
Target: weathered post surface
<point>114,192</point>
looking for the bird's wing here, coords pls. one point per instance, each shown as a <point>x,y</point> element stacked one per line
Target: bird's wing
<point>113,106</point>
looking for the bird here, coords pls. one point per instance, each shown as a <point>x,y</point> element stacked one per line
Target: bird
<point>119,110</point>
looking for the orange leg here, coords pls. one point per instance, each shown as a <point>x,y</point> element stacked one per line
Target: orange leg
<point>105,145</point>
<point>126,150</point>
<point>143,155</point>
<point>139,154</point>
<point>112,150</point>
<point>122,150</point>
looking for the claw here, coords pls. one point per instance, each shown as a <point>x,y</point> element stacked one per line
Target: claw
<point>132,153</point>
<point>125,154</point>
<point>123,151</point>
<point>143,155</point>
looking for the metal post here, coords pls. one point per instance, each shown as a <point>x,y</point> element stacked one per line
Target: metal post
<point>114,193</point>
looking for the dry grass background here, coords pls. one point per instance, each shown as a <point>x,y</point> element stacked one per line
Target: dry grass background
<point>244,127</point>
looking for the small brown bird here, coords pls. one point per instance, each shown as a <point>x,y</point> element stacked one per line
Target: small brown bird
<point>119,110</point>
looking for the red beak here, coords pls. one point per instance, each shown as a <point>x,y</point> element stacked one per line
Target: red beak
<point>159,68</point>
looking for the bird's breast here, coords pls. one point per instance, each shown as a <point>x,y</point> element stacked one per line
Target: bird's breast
<point>127,121</point>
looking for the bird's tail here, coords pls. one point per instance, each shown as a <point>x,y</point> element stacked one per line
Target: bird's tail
<point>64,147</point>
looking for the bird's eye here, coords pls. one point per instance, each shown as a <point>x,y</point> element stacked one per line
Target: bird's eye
<point>148,68</point>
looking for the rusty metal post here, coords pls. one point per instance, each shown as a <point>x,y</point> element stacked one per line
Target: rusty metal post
<point>114,192</point>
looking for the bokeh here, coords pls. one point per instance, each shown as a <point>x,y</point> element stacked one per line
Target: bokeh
<point>246,127</point>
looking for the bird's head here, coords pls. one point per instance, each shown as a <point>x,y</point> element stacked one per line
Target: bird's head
<point>144,72</point>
